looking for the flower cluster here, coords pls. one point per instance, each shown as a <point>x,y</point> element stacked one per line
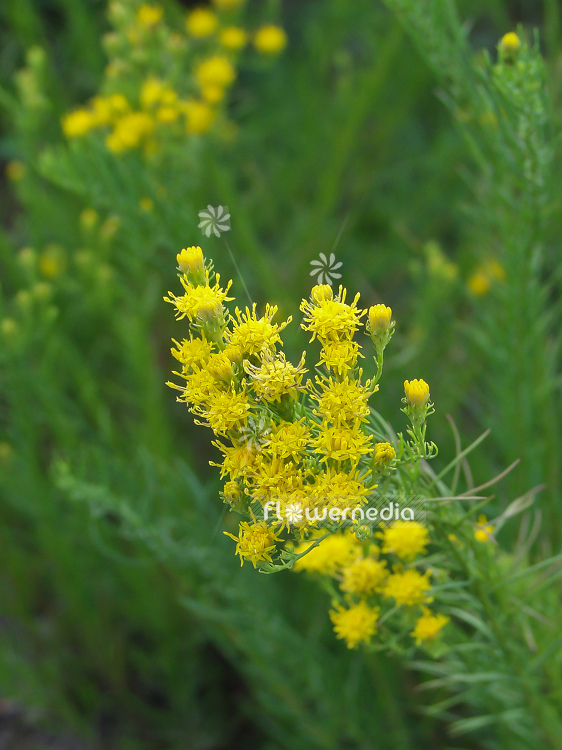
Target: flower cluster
<point>162,84</point>
<point>302,458</point>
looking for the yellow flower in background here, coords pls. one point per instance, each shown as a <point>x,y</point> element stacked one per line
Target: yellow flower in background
<point>428,626</point>
<point>355,625</point>
<point>405,539</point>
<point>147,204</point>
<point>508,47</point>
<point>233,38</point>
<point>270,40</point>
<point>52,261</point>
<point>130,131</point>
<point>333,553</point>
<point>199,116</point>
<point>484,530</point>
<point>407,587</point>
<point>417,392</point>
<point>215,71</point>
<point>78,123</point>
<point>483,278</point>
<point>254,542</point>
<point>364,576</point>
<point>201,23</point>
<point>89,218</point>
<point>149,15</point>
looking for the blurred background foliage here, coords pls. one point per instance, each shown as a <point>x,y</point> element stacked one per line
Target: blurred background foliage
<point>125,618</point>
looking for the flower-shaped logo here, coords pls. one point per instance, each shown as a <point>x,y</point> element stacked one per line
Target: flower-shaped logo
<point>255,434</point>
<point>326,269</point>
<point>214,220</point>
<point>293,514</point>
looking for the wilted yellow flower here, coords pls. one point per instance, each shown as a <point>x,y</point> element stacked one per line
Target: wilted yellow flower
<point>355,625</point>
<point>269,40</point>
<point>201,22</point>
<point>254,542</point>
<point>428,626</point>
<point>233,38</point>
<point>405,539</point>
<point>417,392</point>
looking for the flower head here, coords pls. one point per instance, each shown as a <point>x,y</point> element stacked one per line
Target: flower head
<point>407,587</point>
<point>383,454</point>
<point>254,335</point>
<point>405,539</point>
<point>270,40</point>
<point>428,626</point>
<point>484,530</point>
<point>355,625</point>
<point>364,576</point>
<point>331,319</point>
<point>201,23</point>
<point>417,393</point>
<point>333,553</point>
<point>254,542</point>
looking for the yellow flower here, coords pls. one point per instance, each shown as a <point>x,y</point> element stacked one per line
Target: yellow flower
<point>149,15</point>
<point>408,587</point>
<point>78,123</point>
<point>254,542</point>
<point>52,261</point>
<point>342,444</point>
<point>289,440</point>
<point>479,284</point>
<point>379,318</point>
<point>484,530</point>
<point>233,38</point>
<point>384,453</point>
<point>509,47</point>
<point>238,461</point>
<point>355,625</point>
<point>339,356</point>
<point>333,552</point>
<point>331,319</point>
<point>253,334</point>
<point>201,23</point>
<point>428,626</point>
<point>192,352</point>
<point>213,94</point>
<point>147,204</point>
<point>192,263</point>
<point>275,377</point>
<point>215,71</point>
<point>202,302</point>
<point>220,367</point>
<point>406,539</point>
<point>199,116</point>
<point>269,40</point>
<point>364,576</point>
<point>151,92</point>
<point>320,293</point>
<point>89,218</point>
<point>417,393</point>
<point>231,492</point>
<point>129,131</point>
<point>342,401</point>
<point>224,410</point>
<point>335,488</point>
